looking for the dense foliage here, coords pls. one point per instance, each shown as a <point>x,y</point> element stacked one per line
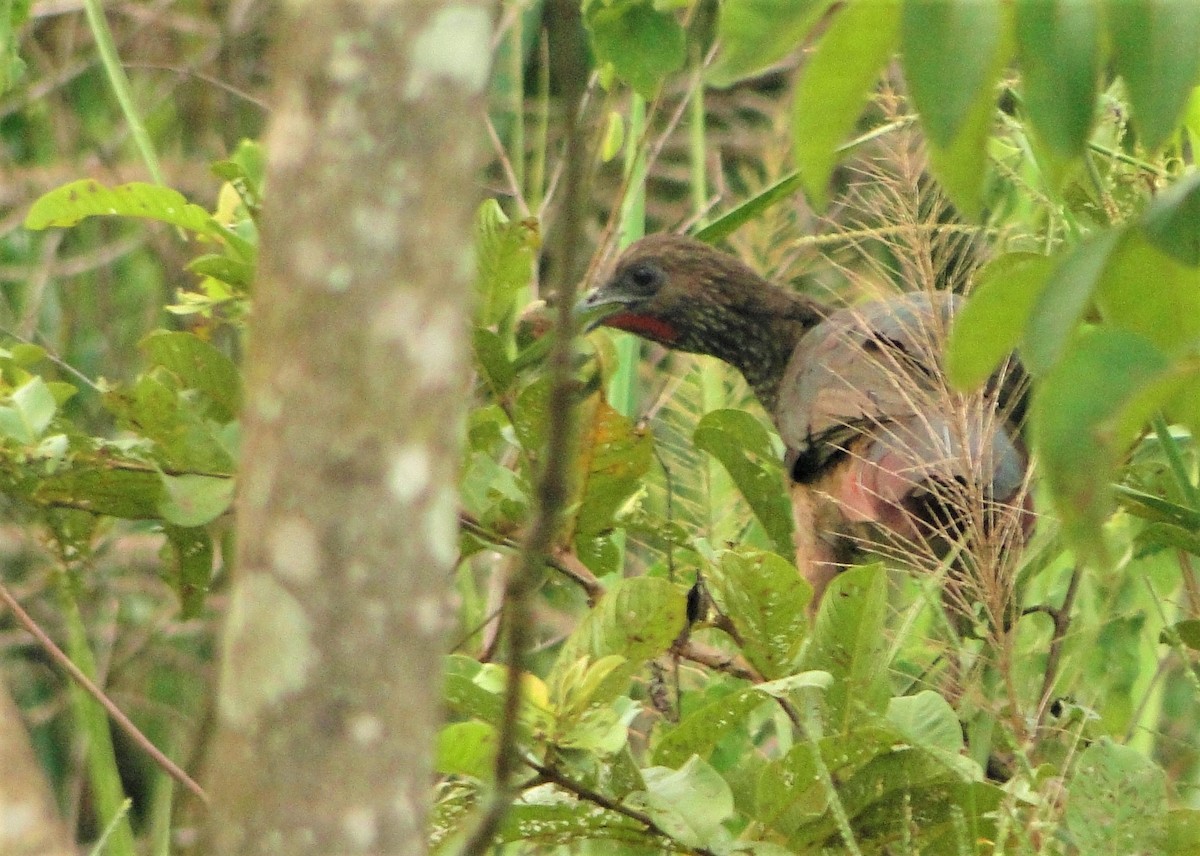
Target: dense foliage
<point>679,698</point>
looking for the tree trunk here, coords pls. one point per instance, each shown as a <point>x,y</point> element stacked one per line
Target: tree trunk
<point>347,512</point>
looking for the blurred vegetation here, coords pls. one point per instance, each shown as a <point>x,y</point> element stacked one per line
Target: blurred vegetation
<point>1041,162</point>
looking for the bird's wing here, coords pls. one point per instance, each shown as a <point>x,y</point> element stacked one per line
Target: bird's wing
<point>867,384</point>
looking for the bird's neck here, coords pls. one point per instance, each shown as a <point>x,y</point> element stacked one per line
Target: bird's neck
<point>757,333</point>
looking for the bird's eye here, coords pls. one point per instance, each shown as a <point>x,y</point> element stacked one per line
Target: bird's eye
<point>645,277</point>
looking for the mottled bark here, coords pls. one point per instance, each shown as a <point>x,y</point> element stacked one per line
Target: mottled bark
<point>347,523</point>
<point>29,820</point>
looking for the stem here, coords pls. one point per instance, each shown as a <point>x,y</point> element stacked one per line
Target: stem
<point>107,49</point>
<point>1062,622</point>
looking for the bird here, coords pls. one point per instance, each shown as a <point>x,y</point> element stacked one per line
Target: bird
<point>880,451</point>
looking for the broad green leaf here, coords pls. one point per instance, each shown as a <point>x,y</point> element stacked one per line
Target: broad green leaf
<point>103,488</point>
<point>1058,44</point>
<point>643,43</point>
<point>754,34</point>
<point>835,83</point>
<point>467,749</point>
<point>191,552</point>
<point>464,696</point>
<point>690,804</point>
<point>1099,374</point>
<point>847,641</point>
<point>701,730</point>
<point>192,500</point>
<point>1170,317</point>
<point>638,618</point>
<point>990,324</point>
<point>614,458</point>
<point>1154,49</point>
<point>1064,299</point>
<point>200,366</point>
<point>561,822</point>
<point>743,446</point>
<point>235,272</point>
<point>1188,632</point>
<point>1183,832</point>
<point>949,54</point>
<point>1116,801</point>
<point>184,440</point>
<point>67,205</point>
<point>766,599</point>
<point>928,721</point>
<point>504,254</point>
<point>29,414</point>
<point>492,360</point>
<point>790,792</point>
<point>1172,222</point>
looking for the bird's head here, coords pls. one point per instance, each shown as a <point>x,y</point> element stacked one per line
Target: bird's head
<point>674,290</point>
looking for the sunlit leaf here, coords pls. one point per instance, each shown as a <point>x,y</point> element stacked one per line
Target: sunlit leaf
<point>467,749</point>
<point>949,52</point>
<point>743,446</point>
<point>1154,49</point>
<point>754,34</point>
<point>766,599</point>
<point>834,84</point>
<point>691,803</point>
<point>200,366</point>
<point>848,642</point>
<point>990,324</point>
<point>193,500</point>
<point>1058,44</point>
<point>1116,801</point>
<point>643,43</point>
<point>67,205</point>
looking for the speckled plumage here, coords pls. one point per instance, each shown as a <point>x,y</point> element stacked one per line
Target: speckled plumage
<point>857,393</point>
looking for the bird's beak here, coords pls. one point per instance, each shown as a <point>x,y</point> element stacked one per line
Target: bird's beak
<point>595,306</point>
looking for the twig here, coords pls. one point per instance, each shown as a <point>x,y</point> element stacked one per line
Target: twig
<point>56,654</point>
<point>1062,622</point>
<point>550,774</point>
<point>730,664</point>
<point>551,495</point>
<point>563,560</point>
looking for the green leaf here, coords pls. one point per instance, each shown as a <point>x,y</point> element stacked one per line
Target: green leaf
<point>504,255</point>
<point>1170,315</point>
<point>467,749</point>
<point>643,43</point>
<point>834,84</point>
<point>701,730</point>
<point>690,804</point>
<point>766,599</point>
<point>637,619</point>
<point>1116,801</point>
<point>615,456</point>
<point>755,34</point>
<point>1183,832</point>
<point>744,448</point>
<point>1172,222</point>
<point>1063,301</point>
<point>730,221</point>
<point>492,360</point>
<point>1058,44</point>
<point>928,721</point>
<point>847,641</point>
<point>191,561</point>
<point>1187,631</point>
<point>200,366</point>
<point>1073,415</point>
<point>562,823</point>
<point>103,489</point>
<point>1154,49</point>
<point>949,52</point>
<point>235,272</point>
<point>67,205</point>
<point>464,696</point>
<point>32,408</point>
<point>193,500</point>
<point>990,324</point>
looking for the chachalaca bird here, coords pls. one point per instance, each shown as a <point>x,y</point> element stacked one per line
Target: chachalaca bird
<point>881,453</point>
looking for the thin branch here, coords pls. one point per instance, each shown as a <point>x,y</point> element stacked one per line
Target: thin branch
<point>56,654</point>
<point>554,776</point>
<point>562,560</point>
<point>714,658</point>
<point>1062,622</point>
<point>551,494</point>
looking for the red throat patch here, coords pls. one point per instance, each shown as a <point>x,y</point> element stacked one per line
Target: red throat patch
<point>651,328</point>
